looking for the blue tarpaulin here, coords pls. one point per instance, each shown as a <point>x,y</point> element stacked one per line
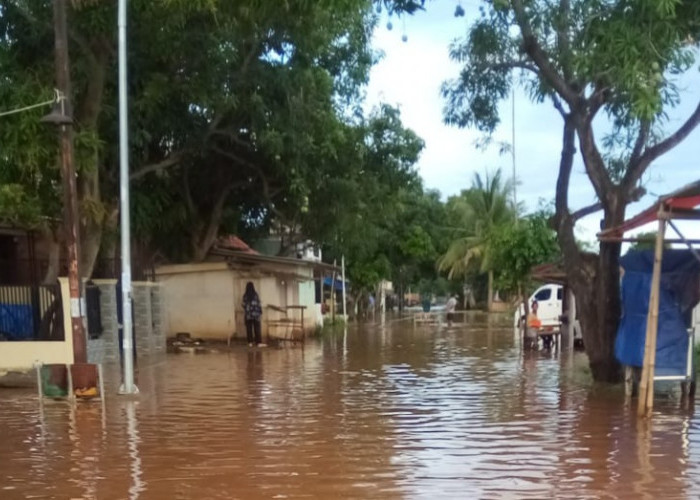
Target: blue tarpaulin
<point>16,321</point>
<point>338,283</point>
<point>679,293</point>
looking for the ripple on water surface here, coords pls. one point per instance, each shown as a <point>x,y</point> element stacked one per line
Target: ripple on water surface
<point>391,412</point>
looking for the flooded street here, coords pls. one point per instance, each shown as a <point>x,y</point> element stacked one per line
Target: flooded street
<point>381,413</point>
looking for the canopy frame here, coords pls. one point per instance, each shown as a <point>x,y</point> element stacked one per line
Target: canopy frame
<point>680,204</point>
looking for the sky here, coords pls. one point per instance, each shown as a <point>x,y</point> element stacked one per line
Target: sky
<point>410,75</point>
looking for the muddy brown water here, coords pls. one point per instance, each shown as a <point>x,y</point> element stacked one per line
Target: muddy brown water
<point>392,412</point>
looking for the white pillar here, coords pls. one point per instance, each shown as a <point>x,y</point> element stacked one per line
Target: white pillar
<point>342,269</point>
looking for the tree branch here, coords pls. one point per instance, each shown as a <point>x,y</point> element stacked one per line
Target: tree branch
<point>596,101</point>
<point>593,160</point>
<point>558,106</point>
<point>540,57</point>
<point>249,165</point>
<point>189,202</point>
<point>170,161</point>
<point>511,65</point>
<point>636,170</point>
<point>641,141</point>
<point>205,241</point>
<point>583,212</point>
<point>563,37</point>
<point>566,164</point>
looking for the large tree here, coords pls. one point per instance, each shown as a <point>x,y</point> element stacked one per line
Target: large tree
<point>235,109</point>
<point>602,65</point>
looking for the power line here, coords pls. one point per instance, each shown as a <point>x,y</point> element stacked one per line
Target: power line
<point>58,97</point>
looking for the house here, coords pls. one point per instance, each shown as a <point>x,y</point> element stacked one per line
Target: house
<point>204,299</point>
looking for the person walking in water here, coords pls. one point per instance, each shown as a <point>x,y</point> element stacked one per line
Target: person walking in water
<point>450,310</point>
<point>253,311</point>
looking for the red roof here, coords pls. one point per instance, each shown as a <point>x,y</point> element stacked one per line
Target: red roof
<point>232,242</point>
<point>683,199</point>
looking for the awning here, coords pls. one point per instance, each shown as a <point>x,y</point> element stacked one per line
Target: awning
<point>338,283</point>
<point>679,204</point>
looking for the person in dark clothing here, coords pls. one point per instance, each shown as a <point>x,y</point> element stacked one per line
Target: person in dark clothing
<point>253,312</point>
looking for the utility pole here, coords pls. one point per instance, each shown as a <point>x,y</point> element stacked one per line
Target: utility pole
<point>70,191</point>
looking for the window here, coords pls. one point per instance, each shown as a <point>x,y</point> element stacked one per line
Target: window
<point>560,293</point>
<point>543,295</point>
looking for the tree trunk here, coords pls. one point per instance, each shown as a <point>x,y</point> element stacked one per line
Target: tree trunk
<point>54,254</point>
<point>92,222</point>
<point>91,240</point>
<point>594,279</point>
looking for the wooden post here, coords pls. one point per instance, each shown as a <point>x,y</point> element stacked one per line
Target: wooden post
<point>646,385</point>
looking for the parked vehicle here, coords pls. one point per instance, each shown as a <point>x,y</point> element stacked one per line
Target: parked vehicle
<point>549,299</point>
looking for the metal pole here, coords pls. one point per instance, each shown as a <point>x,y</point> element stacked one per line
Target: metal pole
<point>342,267</point>
<point>70,191</point>
<point>512,150</point>
<point>128,386</point>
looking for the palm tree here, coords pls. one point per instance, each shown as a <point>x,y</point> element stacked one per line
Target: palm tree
<point>480,210</point>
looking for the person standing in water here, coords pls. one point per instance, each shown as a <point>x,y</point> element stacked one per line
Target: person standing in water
<point>253,312</point>
<point>450,309</point>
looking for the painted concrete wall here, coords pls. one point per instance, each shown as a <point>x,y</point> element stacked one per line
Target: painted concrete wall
<point>22,356</point>
<point>206,299</point>
<point>307,297</point>
<point>198,298</point>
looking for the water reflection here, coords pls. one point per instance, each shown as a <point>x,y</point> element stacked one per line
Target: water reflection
<point>392,411</point>
<point>133,440</point>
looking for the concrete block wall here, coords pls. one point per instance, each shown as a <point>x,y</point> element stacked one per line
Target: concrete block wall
<point>147,314</point>
<point>106,348</point>
<point>157,318</point>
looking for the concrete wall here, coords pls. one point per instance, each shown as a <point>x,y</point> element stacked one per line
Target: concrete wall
<point>307,297</point>
<point>22,356</point>
<point>198,298</point>
<point>148,328</point>
<point>205,299</point>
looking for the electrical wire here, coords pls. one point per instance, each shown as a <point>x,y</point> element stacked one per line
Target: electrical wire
<point>58,97</point>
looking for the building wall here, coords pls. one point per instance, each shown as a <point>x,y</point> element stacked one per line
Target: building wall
<point>147,316</point>
<point>307,297</point>
<point>22,356</point>
<point>206,299</point>
<point>198,299</point>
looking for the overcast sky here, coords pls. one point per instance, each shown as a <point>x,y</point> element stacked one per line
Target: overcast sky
<point>410,75</point>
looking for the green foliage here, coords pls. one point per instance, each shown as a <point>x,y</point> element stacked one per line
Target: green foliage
<point>520,246</point>
<point>476,214</point>
<point>243,115</point>
<point>629,50</point>
<point>18,208</point>
<point>646,241</point>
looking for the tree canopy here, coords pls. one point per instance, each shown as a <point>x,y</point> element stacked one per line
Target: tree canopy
<point>613,65</point>
<point>242,115</point>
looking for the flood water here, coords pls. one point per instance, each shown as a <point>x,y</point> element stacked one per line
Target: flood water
<point>394,412</point>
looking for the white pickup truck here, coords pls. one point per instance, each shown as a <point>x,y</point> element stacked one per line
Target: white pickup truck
<point>549,310</point>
